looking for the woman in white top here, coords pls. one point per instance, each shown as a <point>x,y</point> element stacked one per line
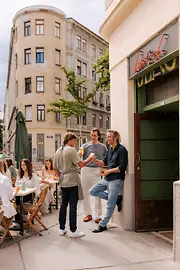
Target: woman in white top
<point>6,171</point>
<point>26,175</point>
<point>6,193</point>
<point>27,179</point>
<point>48,170</point>
<point>48,173</point>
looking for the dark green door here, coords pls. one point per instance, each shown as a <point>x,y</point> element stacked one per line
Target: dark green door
<point>156,168</point>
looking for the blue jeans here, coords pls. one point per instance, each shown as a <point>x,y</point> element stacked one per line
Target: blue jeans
<point>113,188</point>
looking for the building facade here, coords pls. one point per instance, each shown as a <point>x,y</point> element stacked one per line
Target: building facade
<point>144,63</point>
<point>43,40</point>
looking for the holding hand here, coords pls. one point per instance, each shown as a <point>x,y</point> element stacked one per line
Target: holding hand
<point>92,157</point>
<point>107,172</point>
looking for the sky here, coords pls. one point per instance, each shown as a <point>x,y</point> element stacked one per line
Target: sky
<point>88,12</point>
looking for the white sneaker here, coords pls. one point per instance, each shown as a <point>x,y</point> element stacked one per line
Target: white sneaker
<point>62,232</point>
<point>76,234</point>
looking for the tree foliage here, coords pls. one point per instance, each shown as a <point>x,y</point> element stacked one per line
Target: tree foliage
<point>102,68</point>
<point>79,105</point>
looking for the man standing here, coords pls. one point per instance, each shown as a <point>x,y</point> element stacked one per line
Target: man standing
<point>66,159</point>
<point>91,174</point>
<point>116,161</point>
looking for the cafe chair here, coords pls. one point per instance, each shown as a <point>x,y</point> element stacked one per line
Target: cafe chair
<point>5,224</point>
<point>33,210</point>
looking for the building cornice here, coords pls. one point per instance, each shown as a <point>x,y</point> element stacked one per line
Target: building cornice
<point>123,9</point>
<point>38,8</point>
<point>82,27</point>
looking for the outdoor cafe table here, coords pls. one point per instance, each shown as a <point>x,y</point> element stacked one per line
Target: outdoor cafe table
<point>54,182</point>
<point>21,194</point>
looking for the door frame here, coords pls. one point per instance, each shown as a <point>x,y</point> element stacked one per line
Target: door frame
<point>137,157</point>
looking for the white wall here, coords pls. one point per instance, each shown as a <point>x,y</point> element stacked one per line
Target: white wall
<point>144,22</point>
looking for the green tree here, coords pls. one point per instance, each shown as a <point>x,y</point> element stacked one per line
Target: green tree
<point>102,68</point>
<point>76,107</point>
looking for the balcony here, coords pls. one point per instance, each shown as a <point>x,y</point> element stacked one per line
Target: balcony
<point>71,124</point>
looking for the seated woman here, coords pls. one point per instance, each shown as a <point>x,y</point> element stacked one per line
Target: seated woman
<point>7,193</point>
<point>12,169</point>
<point>6,171</point>
<point>28,179</point>
<point>48,173</point>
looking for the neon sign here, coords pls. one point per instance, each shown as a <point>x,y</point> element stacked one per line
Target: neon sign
<point>151,56</point>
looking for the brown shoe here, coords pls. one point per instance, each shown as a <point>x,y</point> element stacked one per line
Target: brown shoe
<point>97,220</point>
<point>87,218</point>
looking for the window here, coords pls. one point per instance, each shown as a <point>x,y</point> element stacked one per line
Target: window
<point>84,70</point>
<point>101,102</point>
<point>39,27</point>
<point>80,93</point>
<point>30,147</point>
<point>78,67</point>
<point>28,112</point>
<point>40,147</point>
<point>107,101</point>
<point>84,140</point>
<point>100,52</point>
<point>79,42</point>
<point>58,117</point>
<point>39,84</point>
<point>27,56</point>
<point>93,51</point>
<point>41,112</point>
<point>94,99</point>
<point>57,141</point>
<point>16,61</point>
<point>93,75</point>
<point>57,85</point>
<point>101,121</point>
<point>16,88</point>
<point>57,29</point>
<point>84,94</point>
<point>84,45</point>
<point>94,120</point>
<point>84,119</point>
<point>57,52</point>
<point>107,122</point>
<point>78,118</point>
<point>27,28</point>
<point>27,85</point>
<point>39,55</point>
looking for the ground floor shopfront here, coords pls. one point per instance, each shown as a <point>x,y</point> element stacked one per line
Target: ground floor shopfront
<point>144,67</point>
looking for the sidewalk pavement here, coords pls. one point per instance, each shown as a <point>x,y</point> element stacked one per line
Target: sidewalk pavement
<point>114,249</point>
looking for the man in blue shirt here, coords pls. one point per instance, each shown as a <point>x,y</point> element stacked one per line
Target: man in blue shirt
<point>116,161</point>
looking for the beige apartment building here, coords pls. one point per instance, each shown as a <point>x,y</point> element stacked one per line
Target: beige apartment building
<point>144,40</point>
<point>42,40</point>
